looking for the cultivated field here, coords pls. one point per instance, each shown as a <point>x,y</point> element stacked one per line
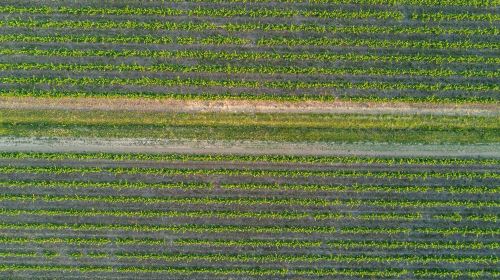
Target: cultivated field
<point>249,139</point>
<point>418,50</point>
<point>202,216</point>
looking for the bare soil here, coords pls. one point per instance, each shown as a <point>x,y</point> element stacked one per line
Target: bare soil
<point>139,145</point>
<point>246,106</point>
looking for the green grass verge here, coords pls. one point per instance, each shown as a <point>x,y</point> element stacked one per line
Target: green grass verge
<point>346,128</point>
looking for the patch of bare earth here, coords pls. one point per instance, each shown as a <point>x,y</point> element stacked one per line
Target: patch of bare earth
<point>134,145</point>
<point>246,106</point>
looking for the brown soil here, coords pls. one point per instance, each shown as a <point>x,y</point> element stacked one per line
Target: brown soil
<point>247,106</point>
<point>133,145</point>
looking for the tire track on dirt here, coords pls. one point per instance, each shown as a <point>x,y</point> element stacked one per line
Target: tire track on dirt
<point>248,106</point>
<point>141,145</point>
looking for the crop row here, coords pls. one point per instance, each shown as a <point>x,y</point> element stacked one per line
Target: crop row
<point>255,243</point>
<point>252,84</point>
<point>254,271</point>
<point>218,40</point>
<point>253,229</point>
<point>245,27</point>
<point>252,158</point>
<point>257,13</point>
<point>445,3</point>
<point>360,188</point>
<point>358,259</point>
<point>283,215</point>
<point>211,12</point>
<point>227,95</point>
<point>436,3</point>
<point>354,188</point>
<point>212,257</point>
<point>254,201</point>
<point>440,16</point>
<point>260,69</point>
<point>372,43</point>
<point>335,244</point>
<point>95,242</point>
<point>254,172</point>
<point>255,56</point>
<point>268,258</point>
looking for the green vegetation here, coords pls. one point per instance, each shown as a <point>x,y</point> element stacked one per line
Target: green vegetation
<point>252,158</point>
<point>119,185</point>
<point>459,36</point>
<point>261,127</point>
<point>255,172</point>
<point>433,64</point>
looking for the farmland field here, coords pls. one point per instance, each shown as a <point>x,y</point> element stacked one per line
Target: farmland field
<point>173,215</point>
<point>249,139</point>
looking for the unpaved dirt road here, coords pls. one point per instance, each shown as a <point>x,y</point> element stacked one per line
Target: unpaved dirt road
<point>243,147</point>
<point>247,106</point>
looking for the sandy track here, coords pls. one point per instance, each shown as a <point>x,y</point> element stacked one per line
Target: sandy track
<point>246,106</point>
<point>244,147</point>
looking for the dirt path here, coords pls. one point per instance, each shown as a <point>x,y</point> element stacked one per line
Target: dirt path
<point>244,147</point>
<point>248,106</point>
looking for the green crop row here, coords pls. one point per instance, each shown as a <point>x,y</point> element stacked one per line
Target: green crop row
<point>254,172</point>
<point>193,270</point>
<point>355,188</point>
<point>245,27</point>
<point>412,245</point>
<point>456,217</point>
<point>228,95</point>
<point>254,201</point>
<point>269,258</point>
<point>372,43</point>
<point>438,3</point>
<point>283,215</point>
<point>360,188</point>
<point>256,56</point>
<point>253,158</point>
<point>255,243</point>
<point>209,12</point>
<point>447,274</point>
<point>254,271</point>
<point>250,172</point>
<point>466,3</point>
<point>358,259</point>
<point>440,16</point>
<point>444,3</point>
<point>218,40</point>
<point>260,69</point>
<point>81,241</point>
<point>336,244</point>
<point>24,254</point>
<point>252,84</point>
<point>119,185</point>
<point>116,39</point>
<point>256,13</point>
<point>216,228</point>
